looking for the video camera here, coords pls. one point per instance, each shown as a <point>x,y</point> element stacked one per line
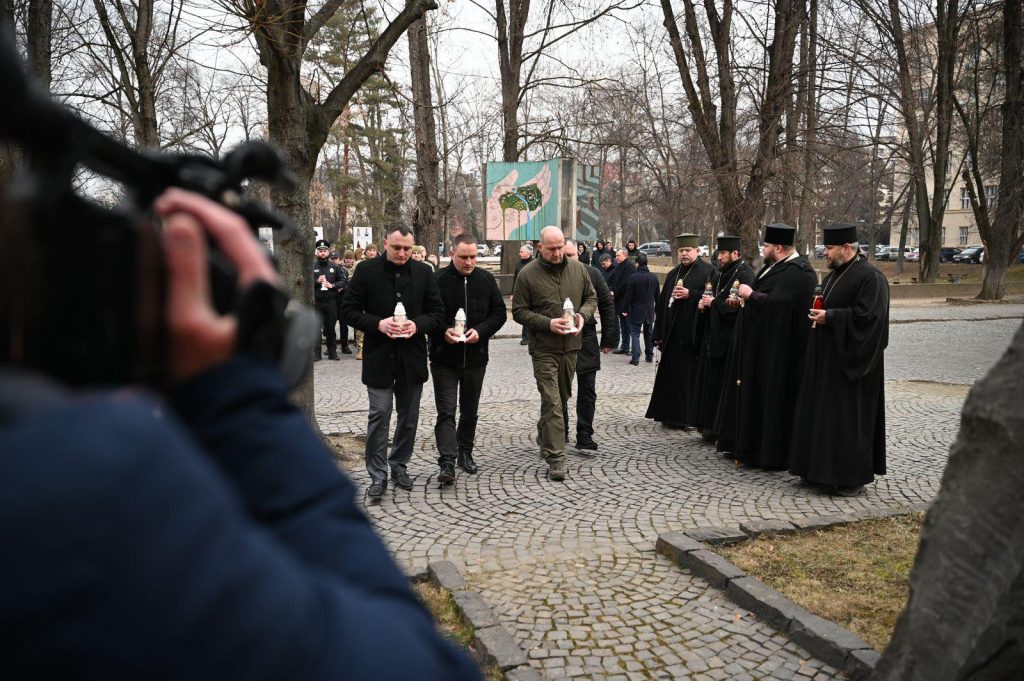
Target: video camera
<point>82,285</point>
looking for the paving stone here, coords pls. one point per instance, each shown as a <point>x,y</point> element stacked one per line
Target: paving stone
<point>675,544</point>
<point>824,639</point>
<point>820,522</point>
<point>522,674</point>
<point>717,535</point>
<point>474,610</point>
<point>767,528</point>
<point>446,575</point>
<point>860,664</point>
<point>499,648</point>
<point>712,567</point>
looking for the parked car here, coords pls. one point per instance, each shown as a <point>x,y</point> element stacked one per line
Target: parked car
<point>975,254</point>
<point>887,253</point>
<point>481,249</point>
<point>819,251</point>
<point>656,248</point>
<point>946,254</point>
<point>912,255</point>
<point>703,251</point>
<point>497,250</point>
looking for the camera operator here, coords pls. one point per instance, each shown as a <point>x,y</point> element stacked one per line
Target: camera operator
<point>203,533</point>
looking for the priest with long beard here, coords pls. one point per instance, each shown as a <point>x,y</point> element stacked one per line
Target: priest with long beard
<point>676,333</point>
<point>839,434</point>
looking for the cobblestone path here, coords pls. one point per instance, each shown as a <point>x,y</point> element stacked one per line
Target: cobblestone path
<point>570,568</point>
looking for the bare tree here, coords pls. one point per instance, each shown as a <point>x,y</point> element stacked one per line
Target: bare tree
<point>715,118</point>
<point>426,223</point>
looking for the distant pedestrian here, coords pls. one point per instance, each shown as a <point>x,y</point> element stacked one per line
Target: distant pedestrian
<point>604,263</point>
<point>539,296</point>
<point>458,357</point>
<point>623,270</point>
<point>588,361</point>
<point>396,350</point>
<point>339,295</point>
<point>839,434</point>
<point>638,309</point>
<point>325,277</point>
<point>582,253</point>
<point>525,258</point>
<point>632,251</point>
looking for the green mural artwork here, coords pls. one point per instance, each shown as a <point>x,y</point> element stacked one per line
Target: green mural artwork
<point>522,199</point>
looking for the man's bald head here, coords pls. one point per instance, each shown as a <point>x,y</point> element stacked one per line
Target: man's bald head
<point>552,241</point>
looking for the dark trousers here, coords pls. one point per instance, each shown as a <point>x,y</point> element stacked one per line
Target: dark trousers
<point>634,333</point>
<point>461,388</point>
<point>526,333</point>
<point>328,310</point>
<point>586,404</point>
<point>342,329</point>
<point>382,400</point>
<point>623,330</point>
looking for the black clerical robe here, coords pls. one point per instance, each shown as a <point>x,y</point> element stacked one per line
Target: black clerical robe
<point>721,321</point>
<point>765,365</point>
<point>839,434</point>
<point>678,330</point>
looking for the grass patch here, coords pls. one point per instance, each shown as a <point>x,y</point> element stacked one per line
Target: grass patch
<point>855,575</point>
<point>442,606</point>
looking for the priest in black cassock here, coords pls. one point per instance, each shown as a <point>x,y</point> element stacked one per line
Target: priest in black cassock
<point>675,332</point>
<point>839,434</point>
<point>765,361</point>
<point>720,318</point>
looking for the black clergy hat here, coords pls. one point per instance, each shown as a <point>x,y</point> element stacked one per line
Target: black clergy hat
<point>838,234</point>
<point>728,243</point>
<point>323,243</point>
<point>687,241</point>
<point>780,234</point>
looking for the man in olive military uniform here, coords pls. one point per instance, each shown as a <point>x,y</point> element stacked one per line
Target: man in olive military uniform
<point>325,276</point>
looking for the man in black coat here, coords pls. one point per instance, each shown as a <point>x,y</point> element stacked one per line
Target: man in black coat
<point>621,272</point>
<point>525,258</point>
<point>676,333</point>
<point>458,360</point>
<point>765,362</point>
<point>339,290</point>
<point>720,318</point>
<point>638,308</point>
<point>394,301</point>
<point>839,435</point>
<point>588,361</point>
<point>325,277</point>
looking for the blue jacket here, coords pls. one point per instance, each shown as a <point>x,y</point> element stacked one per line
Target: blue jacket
<point>208,538</point>
<point>641,294</point>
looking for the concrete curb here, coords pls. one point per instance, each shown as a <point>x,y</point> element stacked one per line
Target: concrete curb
<point>493,643</point>
<point>826,640</point>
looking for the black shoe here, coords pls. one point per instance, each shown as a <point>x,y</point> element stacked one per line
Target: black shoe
<point>648,359</point>
<point>333,355</point>
<point>853,491</point>
<point>447,473</point>
<point>620,351</point>
<point>524,342</point>
<point>634,362</point>
<point>402,479</point>
<point>317,358</point>
<point>377,489</point>
<point>346,350</point>
<point>466,463</point>
<point>584,442</point>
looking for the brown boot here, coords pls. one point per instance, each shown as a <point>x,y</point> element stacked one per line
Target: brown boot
<point>556,470</point>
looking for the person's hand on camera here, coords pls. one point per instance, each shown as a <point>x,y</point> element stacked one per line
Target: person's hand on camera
<point>199,337</point>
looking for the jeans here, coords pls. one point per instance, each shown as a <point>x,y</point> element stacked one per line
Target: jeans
<point>451,386</point>
<point>634,332</point>
<point>407,400</point>
<point>586,404</point>
<point>554,372</point>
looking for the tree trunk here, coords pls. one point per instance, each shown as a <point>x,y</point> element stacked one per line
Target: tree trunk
<point>1004,242</point>
<point>39,32</point>
<point>807,232</point>
<point>425,220</point>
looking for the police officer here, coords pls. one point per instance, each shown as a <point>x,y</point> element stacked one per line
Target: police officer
<point>325,276</point>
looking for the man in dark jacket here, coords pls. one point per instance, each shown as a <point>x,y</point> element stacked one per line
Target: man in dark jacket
<point>394,349</point>
<point>325,277</point>
<point>623,270</point>
<point>588,360</point>
<point>459,358</point>
<point>632,251</point>
<point>638,308</point>
<point>525,258</point>
<point>339,290</point>
<point>204,534</point>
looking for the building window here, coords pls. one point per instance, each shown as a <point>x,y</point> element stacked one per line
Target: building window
<point>965,199</point>
<point>963,236</point>
<point>992,194</point>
